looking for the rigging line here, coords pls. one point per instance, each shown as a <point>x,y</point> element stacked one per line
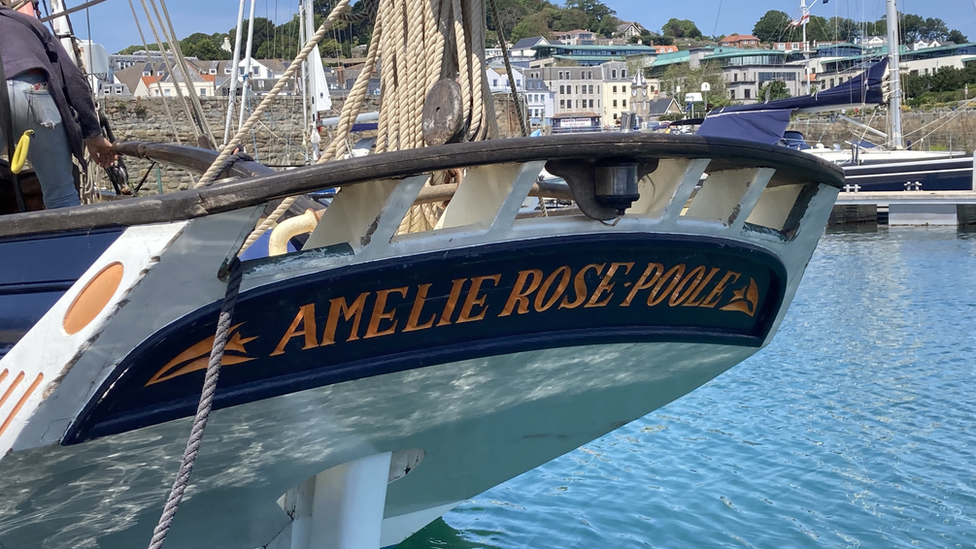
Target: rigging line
<point>718,13</point>
<point>91,58</point>
<point>159,86</point>
<point>192,92</point>
<point>508,70</point>
<point>169,66</point>
<point>275,90</point>
<point>79,7</point>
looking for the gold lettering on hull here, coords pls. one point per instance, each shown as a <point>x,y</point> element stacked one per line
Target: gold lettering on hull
<point>413,322</point>
<point>474,300</point>
<point>424,306</point>
<point>532,291</point>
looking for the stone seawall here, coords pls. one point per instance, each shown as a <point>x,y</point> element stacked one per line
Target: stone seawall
<point>940,130</point>
<point>276,140</point>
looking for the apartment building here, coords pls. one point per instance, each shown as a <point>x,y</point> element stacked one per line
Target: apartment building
<point>577,89</point>
<point>540,100</point>
<point>616,91</point>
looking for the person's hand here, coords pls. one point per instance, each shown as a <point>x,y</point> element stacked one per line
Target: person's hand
<point>101,150</point>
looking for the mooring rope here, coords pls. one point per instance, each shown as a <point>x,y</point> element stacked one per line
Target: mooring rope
<point>203,408</point>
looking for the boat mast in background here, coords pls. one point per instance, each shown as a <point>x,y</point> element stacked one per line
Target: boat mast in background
<point>318,88</point>
<point>894,104</point>
<point>64,33</point>
<point>248,55</point>
<point>234,64</point>
<point>804,18</point>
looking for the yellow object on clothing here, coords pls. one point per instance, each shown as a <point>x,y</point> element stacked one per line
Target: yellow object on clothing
<point>20,152</point>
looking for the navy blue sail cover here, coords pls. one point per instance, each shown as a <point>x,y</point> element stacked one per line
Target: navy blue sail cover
<point>766,122</point>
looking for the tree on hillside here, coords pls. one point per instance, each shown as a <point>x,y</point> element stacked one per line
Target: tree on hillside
<point>680,28</point>
<point>138,47</point>
<point>877,28</point>
<point>537,24</point>
<point>772,26</point>
<point>690,80</point>
<point>571,19</point>
<point>773,90</point>
<point>914,27</point>
<point>202,46</point>
<point>934,29</point>
<point>510,12</point>
<point>264,30</point>
<point>844,29</point>
<point>957,37</point>
<point>601,19</point>
<point>819,29</point>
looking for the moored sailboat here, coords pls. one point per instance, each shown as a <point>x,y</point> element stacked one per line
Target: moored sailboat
<point>867,167</point>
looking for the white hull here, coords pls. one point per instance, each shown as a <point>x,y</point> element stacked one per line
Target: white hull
<point>469,417</point>
<point>505,381</point>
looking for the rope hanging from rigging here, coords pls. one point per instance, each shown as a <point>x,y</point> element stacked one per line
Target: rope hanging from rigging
<point>418,43</point>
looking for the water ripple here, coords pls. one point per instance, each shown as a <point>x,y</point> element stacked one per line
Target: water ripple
<point>854,428</point>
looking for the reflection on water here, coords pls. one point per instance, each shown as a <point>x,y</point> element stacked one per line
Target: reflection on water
<point>854,428</point>
<point>440,534</point>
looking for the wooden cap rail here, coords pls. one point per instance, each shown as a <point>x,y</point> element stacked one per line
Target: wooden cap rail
<point>261,186</point>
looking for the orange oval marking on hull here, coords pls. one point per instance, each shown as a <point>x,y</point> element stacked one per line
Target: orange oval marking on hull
<point>93,298</point>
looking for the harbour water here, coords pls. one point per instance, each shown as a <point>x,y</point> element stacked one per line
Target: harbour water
<point>856,427</point>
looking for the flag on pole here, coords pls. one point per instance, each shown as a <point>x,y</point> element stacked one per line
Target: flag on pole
<point>797,22</point>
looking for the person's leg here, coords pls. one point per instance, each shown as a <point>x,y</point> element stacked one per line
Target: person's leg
<point>49,153</point>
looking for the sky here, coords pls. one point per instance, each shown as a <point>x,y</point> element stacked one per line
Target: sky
<point>112,26</point>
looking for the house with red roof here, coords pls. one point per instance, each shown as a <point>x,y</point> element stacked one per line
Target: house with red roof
<point>739,41</point>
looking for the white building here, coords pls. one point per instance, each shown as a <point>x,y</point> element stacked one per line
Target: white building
<point>616,91</point>
<point>540,99</point>
<point>498,80</point>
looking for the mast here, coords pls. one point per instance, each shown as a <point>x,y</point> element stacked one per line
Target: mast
<point>305,73</point>
<point>246,82</point>
<point>232,96</point>
<point>309,23</point>
<point>804,17</point>
<point>65,35</point>
<point>894,103</point>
